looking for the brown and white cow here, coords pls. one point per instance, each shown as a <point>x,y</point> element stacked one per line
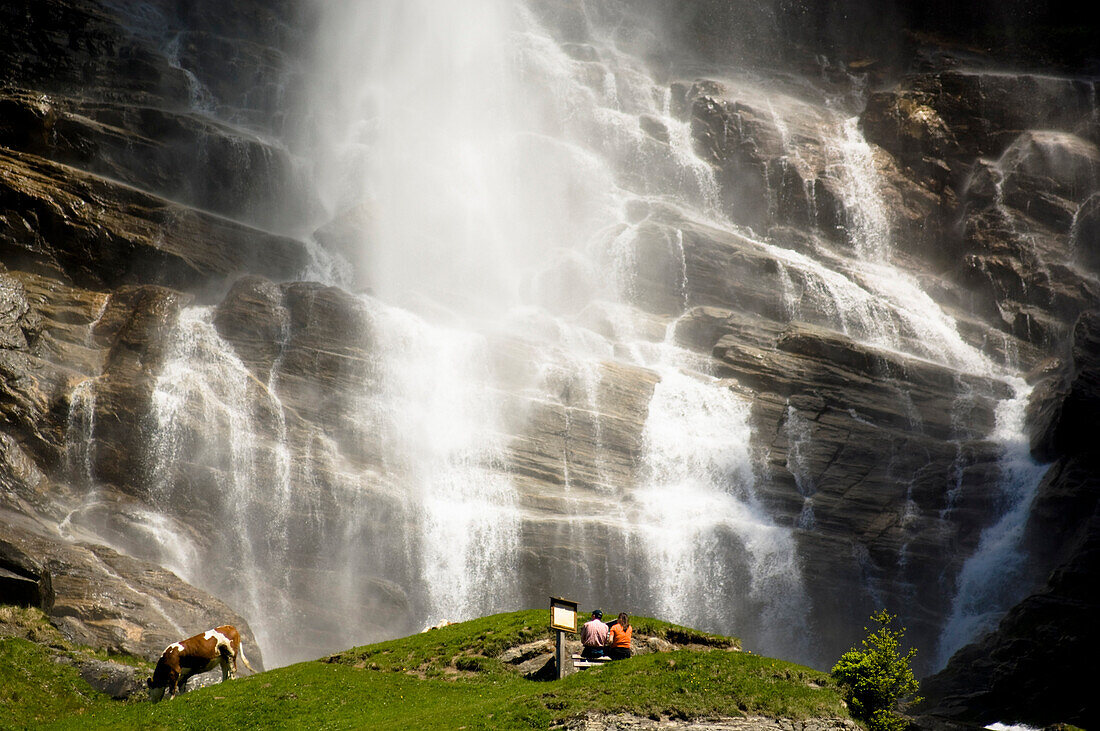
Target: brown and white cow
<point>195,655</point>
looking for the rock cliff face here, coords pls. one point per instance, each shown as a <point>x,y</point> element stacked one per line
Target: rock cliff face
<point>112,220</point>
<point>177,392</point>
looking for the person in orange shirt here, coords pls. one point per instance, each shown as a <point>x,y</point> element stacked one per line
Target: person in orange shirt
<point>618,641</point>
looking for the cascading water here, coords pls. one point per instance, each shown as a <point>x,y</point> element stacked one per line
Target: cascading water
<point>481,150</point>
<point>994,577</point>
<point>211,411</point>
<point>697,512</point>
<point>439,415</point>
<point>517,186</point>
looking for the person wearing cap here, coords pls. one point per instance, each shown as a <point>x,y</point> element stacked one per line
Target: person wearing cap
<point>594,636</point>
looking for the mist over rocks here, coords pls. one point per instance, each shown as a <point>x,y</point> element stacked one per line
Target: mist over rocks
<point>177,393</point>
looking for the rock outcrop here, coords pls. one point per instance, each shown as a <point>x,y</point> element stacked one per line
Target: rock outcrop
<point>607,722</point>
<point>104,599</point>
<point>24,581</point>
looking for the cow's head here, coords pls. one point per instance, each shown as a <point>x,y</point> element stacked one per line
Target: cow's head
<point>156,692</point>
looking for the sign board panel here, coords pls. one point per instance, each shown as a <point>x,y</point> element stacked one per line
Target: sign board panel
<point>563,614</point>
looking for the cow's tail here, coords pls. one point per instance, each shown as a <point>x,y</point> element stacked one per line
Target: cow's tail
<point>240,654</point>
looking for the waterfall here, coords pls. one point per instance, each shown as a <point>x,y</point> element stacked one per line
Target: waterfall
<point>439,415</point>
<point>697,508</point>
<point>799,434</point>
<point>80,433</point>
<point>872,301</point>
<point>994,577</point>
<point>516,184</point>
<point>436,118</point>
<point>212,414</point>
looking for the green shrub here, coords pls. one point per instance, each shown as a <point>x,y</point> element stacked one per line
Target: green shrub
<point>876,676</point>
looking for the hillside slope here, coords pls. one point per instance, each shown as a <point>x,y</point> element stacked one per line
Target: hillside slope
<point>467,676</point>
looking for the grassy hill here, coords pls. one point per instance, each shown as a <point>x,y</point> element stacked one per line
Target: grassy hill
<point>449,678</point>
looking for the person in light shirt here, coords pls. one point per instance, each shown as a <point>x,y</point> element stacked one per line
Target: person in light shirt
<point>594,636</point>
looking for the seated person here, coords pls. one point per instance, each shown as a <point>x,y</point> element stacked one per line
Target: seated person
<point>619,636</point>
<point>593,636</point>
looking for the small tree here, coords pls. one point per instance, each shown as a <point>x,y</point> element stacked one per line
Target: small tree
<point>877,676</point>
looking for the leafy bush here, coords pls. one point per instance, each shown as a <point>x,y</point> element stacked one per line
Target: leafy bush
<point>876,676</point>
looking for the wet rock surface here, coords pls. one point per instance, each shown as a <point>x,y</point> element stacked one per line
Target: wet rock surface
<point>108,600</point>
<point>102,200</point>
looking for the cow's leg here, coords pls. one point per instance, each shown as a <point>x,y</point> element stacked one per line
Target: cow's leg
<point>184,677</point>
<point>228,661</point>
<point>227,670</point>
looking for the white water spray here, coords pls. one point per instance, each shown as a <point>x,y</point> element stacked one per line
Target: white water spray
<point>211,413</point>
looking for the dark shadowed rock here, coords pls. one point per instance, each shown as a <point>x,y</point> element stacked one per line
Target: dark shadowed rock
<point>1020,173</point>
<point>1035,665</point>
<point>58,221</point>
<point>1066,403</point>
<point>959,115</point>
<point>187,158</point>
<point>23,580</point>
<point>113,679</point>
<point>1086,234</point>
<point>1007,674</point>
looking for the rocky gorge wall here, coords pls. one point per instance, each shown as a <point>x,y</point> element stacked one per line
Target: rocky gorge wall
<point>160,250</point>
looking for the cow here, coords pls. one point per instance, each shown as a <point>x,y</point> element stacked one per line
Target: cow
<point>198,654</point>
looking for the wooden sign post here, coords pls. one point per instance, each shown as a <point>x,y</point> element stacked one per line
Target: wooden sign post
<point>563,618</point>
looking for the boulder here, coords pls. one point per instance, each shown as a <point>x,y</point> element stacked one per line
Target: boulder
<point>113,679</point>
<point>533,660</point>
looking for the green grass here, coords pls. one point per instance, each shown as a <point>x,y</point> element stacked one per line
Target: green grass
<point>35,689</point>
<point>39,681</point>
<point>452,678</point>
